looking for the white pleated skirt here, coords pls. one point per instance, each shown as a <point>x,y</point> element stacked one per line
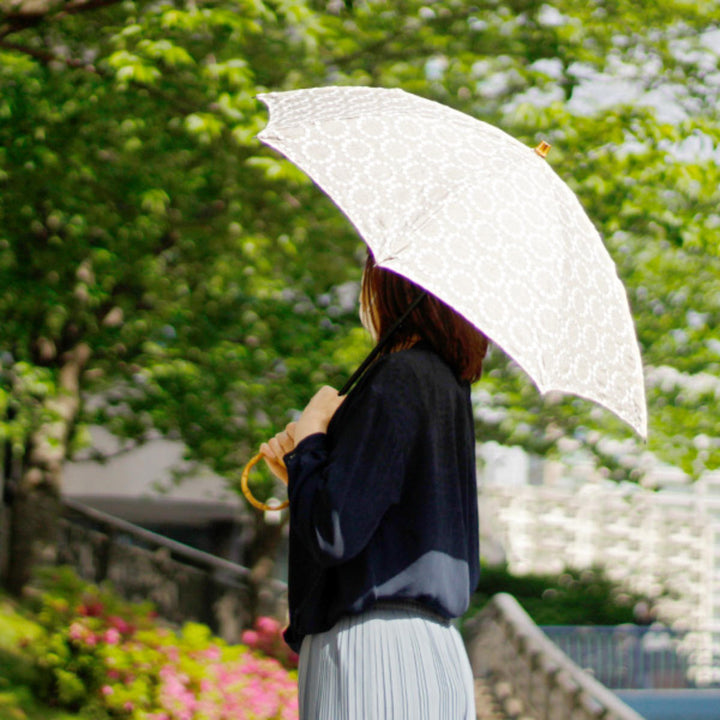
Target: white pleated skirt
<point>390,663</point>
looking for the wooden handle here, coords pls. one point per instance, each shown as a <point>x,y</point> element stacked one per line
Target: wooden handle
<point>246,490</point>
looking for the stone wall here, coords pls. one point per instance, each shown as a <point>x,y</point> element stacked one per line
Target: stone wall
<point>183,583</point>
<point>529,675</point>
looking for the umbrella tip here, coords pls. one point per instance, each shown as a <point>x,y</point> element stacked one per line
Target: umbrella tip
<point>543,148</point>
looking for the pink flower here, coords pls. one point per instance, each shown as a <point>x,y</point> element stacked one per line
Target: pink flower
<point>267,625</point>
<point>250,637</point>
<point>106,690</point>
<point>213,653</point>
<point>112,636</point>
<point>77,631</point>
<point>128,706</point>
<point>122,626</point>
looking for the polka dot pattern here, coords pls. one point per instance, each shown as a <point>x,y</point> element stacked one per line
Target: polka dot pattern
<point>478,219</point>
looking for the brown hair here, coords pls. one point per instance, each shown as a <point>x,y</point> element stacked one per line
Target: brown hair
<point>387,295</point>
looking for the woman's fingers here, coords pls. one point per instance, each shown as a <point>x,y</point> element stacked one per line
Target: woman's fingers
<point>281,444</point>
<point>275,463</point>
<point>274,449</point>
<point>290,430</point>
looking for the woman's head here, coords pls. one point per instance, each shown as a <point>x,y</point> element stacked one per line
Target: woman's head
<point>385,296</point>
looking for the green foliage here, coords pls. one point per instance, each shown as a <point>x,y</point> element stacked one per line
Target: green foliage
<point>16,632</point>
<point>139,215</point>
<point>18,674</point>
<point>575,597</point>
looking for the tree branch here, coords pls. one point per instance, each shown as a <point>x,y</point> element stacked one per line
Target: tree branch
<point>31,13</point>
<point>48,57</point>
<point>76,6</point>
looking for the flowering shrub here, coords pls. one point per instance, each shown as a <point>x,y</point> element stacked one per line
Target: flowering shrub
<point>110,659</point>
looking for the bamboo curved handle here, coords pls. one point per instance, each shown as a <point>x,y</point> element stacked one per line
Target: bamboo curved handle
<point>246,489</point>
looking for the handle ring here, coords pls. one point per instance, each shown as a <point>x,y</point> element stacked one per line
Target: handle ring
<point>248,494</point>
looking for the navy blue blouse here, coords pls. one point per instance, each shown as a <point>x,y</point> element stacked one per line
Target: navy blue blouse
<point>384,506</point>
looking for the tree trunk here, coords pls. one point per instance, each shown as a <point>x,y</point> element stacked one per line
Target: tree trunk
<point>34,527</point>
<point>35,505</point>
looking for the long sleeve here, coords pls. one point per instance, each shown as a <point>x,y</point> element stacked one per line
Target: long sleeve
<point>341,486</point>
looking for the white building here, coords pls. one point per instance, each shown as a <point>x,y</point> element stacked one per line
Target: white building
<point>544,520</point>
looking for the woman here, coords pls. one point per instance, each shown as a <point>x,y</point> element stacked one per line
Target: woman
<point>383,520</point>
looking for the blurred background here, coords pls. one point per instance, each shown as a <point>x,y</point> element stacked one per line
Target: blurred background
<point>172,292</point>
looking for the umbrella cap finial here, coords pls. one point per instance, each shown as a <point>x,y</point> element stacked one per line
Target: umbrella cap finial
<point>543,148</point>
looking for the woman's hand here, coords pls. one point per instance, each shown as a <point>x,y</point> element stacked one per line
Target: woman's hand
<point>315,418</point>
<point>318,412</point>
<point>275,448</point>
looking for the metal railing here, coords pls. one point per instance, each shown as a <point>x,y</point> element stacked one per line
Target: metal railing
<point>182,582</point>
<point>626,656</point>
<point>529,674</point>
